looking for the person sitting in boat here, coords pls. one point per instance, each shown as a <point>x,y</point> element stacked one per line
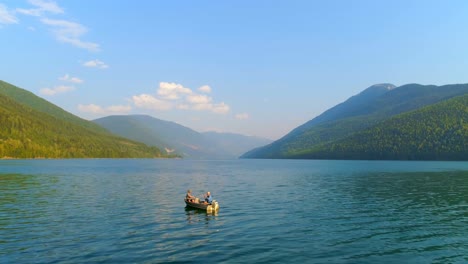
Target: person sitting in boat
<point>208,198</point>
<point>189,197</point>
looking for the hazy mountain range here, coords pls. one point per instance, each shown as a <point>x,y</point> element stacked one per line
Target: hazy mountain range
<point>179,139</point>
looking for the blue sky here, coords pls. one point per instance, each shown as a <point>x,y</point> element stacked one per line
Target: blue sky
<point>252,67</point>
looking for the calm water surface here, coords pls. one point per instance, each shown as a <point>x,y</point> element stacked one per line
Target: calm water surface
<point>272,211</point>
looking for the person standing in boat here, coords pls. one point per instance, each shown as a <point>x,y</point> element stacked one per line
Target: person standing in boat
<point>208,198</point>
<point>189,197</point>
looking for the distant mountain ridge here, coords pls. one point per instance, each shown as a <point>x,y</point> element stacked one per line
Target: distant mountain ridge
<point>31,127</point>
<point>375,104</point>
<point>234,144</point>
<point>180,139</point>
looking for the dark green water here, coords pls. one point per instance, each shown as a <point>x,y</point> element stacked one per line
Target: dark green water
<point>272,211</point>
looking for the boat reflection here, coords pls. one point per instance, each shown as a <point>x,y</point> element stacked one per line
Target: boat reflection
<point>195,215</point>
<point>192,211</point>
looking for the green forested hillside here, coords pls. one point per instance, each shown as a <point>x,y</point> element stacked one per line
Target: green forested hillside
<point>29,99</point>
<point>436,132</point>
<point>28,133</point>
<point>356,114</point>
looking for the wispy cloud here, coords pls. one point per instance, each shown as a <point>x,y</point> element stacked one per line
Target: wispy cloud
<point>174,95</point>
<point>70,32</point>
<point>40,8</point>
<point>68,78</point>
<point>64,31</point>
<point>7,16</point>
<point>96,109</point>
<point>96,64</point>
<point>56,90</point>
<point>242,116</point>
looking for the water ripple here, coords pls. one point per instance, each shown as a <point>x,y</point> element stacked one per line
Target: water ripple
<point>131,211</point>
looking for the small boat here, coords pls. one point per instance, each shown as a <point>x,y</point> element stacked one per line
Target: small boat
<point>214,206</point>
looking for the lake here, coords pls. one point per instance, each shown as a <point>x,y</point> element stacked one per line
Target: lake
<point>271,211</point>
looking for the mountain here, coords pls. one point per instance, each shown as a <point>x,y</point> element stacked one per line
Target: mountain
<point>435,132</point>
<point>156,132</point>
<point>234,145</point>
<point>353,106</point>
<point>179,139</point>
<point>375,104</point>
<point>31,127</point>
<point>29,99</point>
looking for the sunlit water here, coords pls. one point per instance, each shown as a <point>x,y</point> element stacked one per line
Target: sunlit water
<point>132,211</point>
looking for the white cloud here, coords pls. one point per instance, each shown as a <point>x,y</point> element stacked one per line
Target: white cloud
<point>205,89</point>
<point>172,91</point>
<point>41,8</point>
<point>220,108</point>
<point>96,109</point>
<point>150,102</point>
<point>56,90</point>
<point>242,116</point>
<point>202,102</point>
<point>68,78</point>
<point>96,64</point>
<point>70,32</point>
<point>170,95</point>
<point>198,99</point>
<point>6,16</point>
<point>201,107</point>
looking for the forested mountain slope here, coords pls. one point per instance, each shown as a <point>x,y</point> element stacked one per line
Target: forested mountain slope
<point>357,113</point>
<point>26,132</point>
<point>37,103</point>
<point>435,132</point>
